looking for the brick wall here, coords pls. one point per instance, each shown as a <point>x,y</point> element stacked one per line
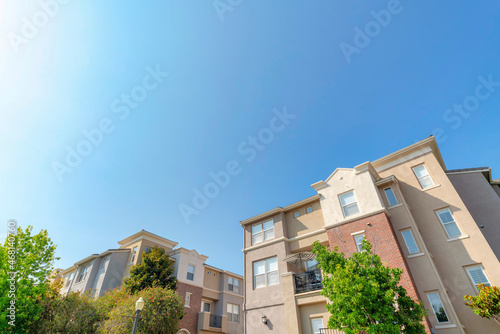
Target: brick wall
<point>190,319</point>
<point>379,232</point>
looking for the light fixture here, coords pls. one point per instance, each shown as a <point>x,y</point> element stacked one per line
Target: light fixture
<point>264,320</point>
<point>139,304</point>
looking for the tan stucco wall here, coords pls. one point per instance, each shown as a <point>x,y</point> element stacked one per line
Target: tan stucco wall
<point>306,222</point>
<point>275,324</point>
<point>449,257</point>
<point>307,312</point>
<point>210,281</point>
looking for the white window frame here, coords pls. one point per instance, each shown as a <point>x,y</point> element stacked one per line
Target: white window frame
<point>102,266</point>
<point>231,315</point>
<point>70,278</point>
<point>266,273</point>
<point>452,222</point>
<point>487,283</point>
<point>421,177</point>
<point>188,272</point>
<point>210,306</point>
<point>309,209</point>
<point>315,319</point>
<point>393,194</point>
<point>83,273</point>
<point>407,241</point>
<point>442,305</point>
<point>134,253</point>
<point>263,231</point>
<point>359,244</point>
<point>296,214</point>
<point>233,284</point>
<point>349,204</point>
<point>187,300</point>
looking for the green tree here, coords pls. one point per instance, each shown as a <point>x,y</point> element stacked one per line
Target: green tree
<point>163,309</point>
<point>365,295</point>
<point>26,262</point>
<point>487,303</point>
<point>156,269</point>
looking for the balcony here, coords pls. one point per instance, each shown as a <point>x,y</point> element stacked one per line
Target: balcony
<point>308,281</point>
<point>212,322</point>
<point>329,331</point>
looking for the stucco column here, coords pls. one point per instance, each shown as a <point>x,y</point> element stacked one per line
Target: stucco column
<point>292,316</point>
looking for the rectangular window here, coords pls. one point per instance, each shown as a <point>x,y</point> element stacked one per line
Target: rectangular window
<point>391,198</point>
<point>134,252</point>
<point>83,273</point>
<point>437,307</point>
<point>309,209</point>
<point>233,312</point>
<point>311,265</point>
<point>477,275</point>
<point>423,176</point>
<point>147,250</point>
<point>358,239</point>
<point>70,278</point>
<point>233,284</point>
<point>262,232</point>
<point>190,272</point>
<point>410,242</point>
<point>316,325</point>
<point>296,214</point>
<point>349,204</point>
<point>265,273</point>
<point>206,307</point>
<point>103,264</point>
<point>449,223</point>
<point>187,302</point>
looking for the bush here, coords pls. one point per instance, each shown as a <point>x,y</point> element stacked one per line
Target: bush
<point>487,303</point>
<point>162,311</point>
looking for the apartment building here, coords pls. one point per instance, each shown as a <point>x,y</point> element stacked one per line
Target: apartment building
<point>442,227</point>
<point>213,298</point>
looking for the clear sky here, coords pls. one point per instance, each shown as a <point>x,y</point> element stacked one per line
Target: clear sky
<point>351,80</point>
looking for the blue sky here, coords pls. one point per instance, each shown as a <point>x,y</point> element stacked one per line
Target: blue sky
<point>352,97</point>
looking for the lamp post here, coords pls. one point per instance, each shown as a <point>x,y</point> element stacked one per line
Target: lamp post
<point>139,305</point>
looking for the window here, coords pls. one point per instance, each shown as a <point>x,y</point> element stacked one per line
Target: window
<point>391,198</point>
<point>134,251</point>
<point>311,265</point>
<point>206,307</point>
<point>449,223</point>
<point>316,325</point>
<point>349,204</point>
<point>83,273</point>
<point>262,232</point>
<point>477,276</point>
<point>233,312</point>
<point>70,278</point>
<point>187,302</point>
<point>309,209</point>
<point>147,250</point>
<point>103,264</point>
<point>190,272</point>
<point>233,284</point>
<point>208,272</point>
<point>265,273</point>
<point>410,242</point>
<point>296,214</point>
<point>215,274</point>
<point>358,239</point>
<point>423,176</point>
<point>437,307</point>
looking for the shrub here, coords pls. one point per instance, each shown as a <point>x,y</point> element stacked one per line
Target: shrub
<point>487,303</point>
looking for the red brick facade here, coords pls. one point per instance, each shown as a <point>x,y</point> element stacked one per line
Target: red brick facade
<point>190,319</point>
<point>379,232</point>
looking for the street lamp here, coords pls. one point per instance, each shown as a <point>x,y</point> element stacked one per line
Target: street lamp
<point>139,305</point>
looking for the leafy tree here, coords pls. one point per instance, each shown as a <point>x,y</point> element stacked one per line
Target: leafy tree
<point>487,303</point>
<point>26,262</point>
<point>156,269</point>
<point>163,309</point>
<point>365,295</point>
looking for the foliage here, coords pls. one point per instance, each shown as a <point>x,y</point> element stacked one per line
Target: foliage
<point>26,261</point>
<point>365,295</point>
<point>156,269</point>
<point>487,303</point>
<point>163,309</point>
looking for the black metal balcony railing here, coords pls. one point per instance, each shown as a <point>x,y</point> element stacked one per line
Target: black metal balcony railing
<point>308,281</point>
<point>215,321</point>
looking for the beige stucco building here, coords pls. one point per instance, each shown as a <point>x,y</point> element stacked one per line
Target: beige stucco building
<point>442,227</point>
<point>213,298</point>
